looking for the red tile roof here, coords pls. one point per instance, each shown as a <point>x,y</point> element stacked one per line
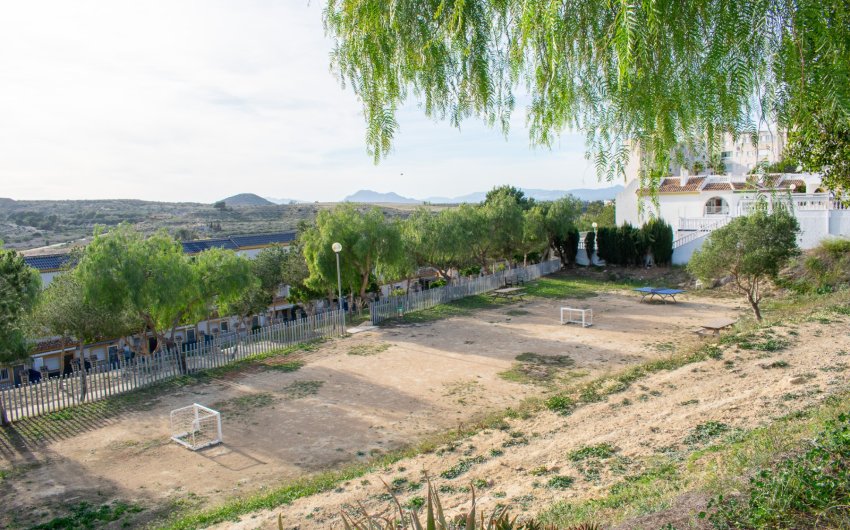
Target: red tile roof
<point>718,186</point>
<point>674,185</point>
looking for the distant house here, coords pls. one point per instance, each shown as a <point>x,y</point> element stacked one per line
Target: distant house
<point>49,265</point>
<point>696,205</point>
<point>695,201</point>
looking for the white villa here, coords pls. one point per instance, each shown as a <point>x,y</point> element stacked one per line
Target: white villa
<point>695,205</point>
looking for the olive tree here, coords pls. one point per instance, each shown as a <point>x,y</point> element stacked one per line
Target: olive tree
<point>64,311</point>
<point>750,249</point>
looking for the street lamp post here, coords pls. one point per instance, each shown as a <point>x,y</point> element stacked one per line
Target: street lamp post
<point>337,248</point>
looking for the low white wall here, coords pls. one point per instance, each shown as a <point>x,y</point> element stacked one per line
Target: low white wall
<point>839,223</point>
<point>682,255</point>
<point>814,226</point>
<point>581,258</point>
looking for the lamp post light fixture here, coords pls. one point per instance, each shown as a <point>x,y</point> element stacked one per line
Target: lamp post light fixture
<point>337,248</point>
<point>595,242</point>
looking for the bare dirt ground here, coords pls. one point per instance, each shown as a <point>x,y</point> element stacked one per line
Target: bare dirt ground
<point>520,466</point>
<point>377,391</point>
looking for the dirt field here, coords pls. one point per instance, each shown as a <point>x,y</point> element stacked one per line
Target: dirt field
<point>357,397</point>
<point>532,463</point>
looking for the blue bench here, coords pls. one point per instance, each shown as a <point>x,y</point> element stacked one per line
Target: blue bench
<point>663,294</point>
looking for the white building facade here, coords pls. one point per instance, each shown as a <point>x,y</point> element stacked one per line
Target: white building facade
<point>695,205</point>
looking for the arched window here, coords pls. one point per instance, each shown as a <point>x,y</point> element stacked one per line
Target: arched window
<point>716,206</point>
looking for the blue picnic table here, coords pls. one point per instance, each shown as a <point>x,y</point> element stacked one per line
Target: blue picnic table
<point>663,294</point>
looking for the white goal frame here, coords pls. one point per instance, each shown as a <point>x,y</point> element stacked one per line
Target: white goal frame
<point>573,314</point>
<point>196,426</point>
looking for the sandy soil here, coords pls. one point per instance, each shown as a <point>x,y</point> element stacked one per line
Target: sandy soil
<point>413,380</point>
<point>743,390</point>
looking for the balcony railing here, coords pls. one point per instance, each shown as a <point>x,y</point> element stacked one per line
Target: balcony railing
<point>798,201</point>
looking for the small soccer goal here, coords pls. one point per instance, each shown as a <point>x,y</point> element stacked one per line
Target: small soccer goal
<point>572,315</point>
<point>195,426</point>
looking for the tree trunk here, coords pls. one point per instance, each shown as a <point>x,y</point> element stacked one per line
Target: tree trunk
<point>755,305</point>
<point>83,379</point>
<point>364,284</point>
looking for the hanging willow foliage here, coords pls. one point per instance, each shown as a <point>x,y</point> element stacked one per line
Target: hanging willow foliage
<point>664,73</point>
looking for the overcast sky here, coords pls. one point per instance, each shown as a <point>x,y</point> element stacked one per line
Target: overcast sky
<point>199,100</point>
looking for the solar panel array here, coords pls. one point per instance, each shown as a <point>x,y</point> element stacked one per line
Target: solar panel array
<point>52,262</point>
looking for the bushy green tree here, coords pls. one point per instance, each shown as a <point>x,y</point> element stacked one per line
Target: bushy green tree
<point>825,147</point>
<point>435,240</point>
<point>561,230</point>
<point>656,73</point>
<point>371,244</point>
<point>503,224</point>
<point>271,269</point>
<point>750,249</point>
<point>601,213</point>
<point>19,290</point>
<point>154,280</point>
<point>508,191</point>
<point>476,234</point>
<point>64,311</point>
<point>534,236</point>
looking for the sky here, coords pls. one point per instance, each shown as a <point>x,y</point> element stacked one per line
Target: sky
<point>200,100</point>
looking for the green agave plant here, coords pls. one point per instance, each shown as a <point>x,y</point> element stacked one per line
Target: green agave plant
<point>432,517</point>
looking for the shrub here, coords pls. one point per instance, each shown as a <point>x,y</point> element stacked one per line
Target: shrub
<point>811,490</point>
<point>624,245</point>
<point>560,482</point>
<point>658,237</point>
<point>823,269</point>
<point>593,451</point>
<point>705,432</point>
<point>571,245</point>
<point>560,404</point>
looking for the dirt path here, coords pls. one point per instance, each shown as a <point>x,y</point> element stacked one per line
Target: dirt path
<point>355,398</point>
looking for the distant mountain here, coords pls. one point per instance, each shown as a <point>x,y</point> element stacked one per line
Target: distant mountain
<point>247,199</point>
<point>369,196</point>
<point>282,201</point>
<point>585,194</point>
<point>601,194</point>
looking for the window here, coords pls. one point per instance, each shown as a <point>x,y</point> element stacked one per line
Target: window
<point>190,335</point>
<point>716,206</point>
<point>223,326</point>
<point>4,374</point>
<point>726,155</point>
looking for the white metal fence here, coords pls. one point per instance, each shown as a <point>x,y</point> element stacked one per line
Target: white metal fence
<point>397,306</point>
<point>119,376</point>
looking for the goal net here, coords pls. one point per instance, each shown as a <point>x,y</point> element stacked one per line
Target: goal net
<point>195,426</point>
